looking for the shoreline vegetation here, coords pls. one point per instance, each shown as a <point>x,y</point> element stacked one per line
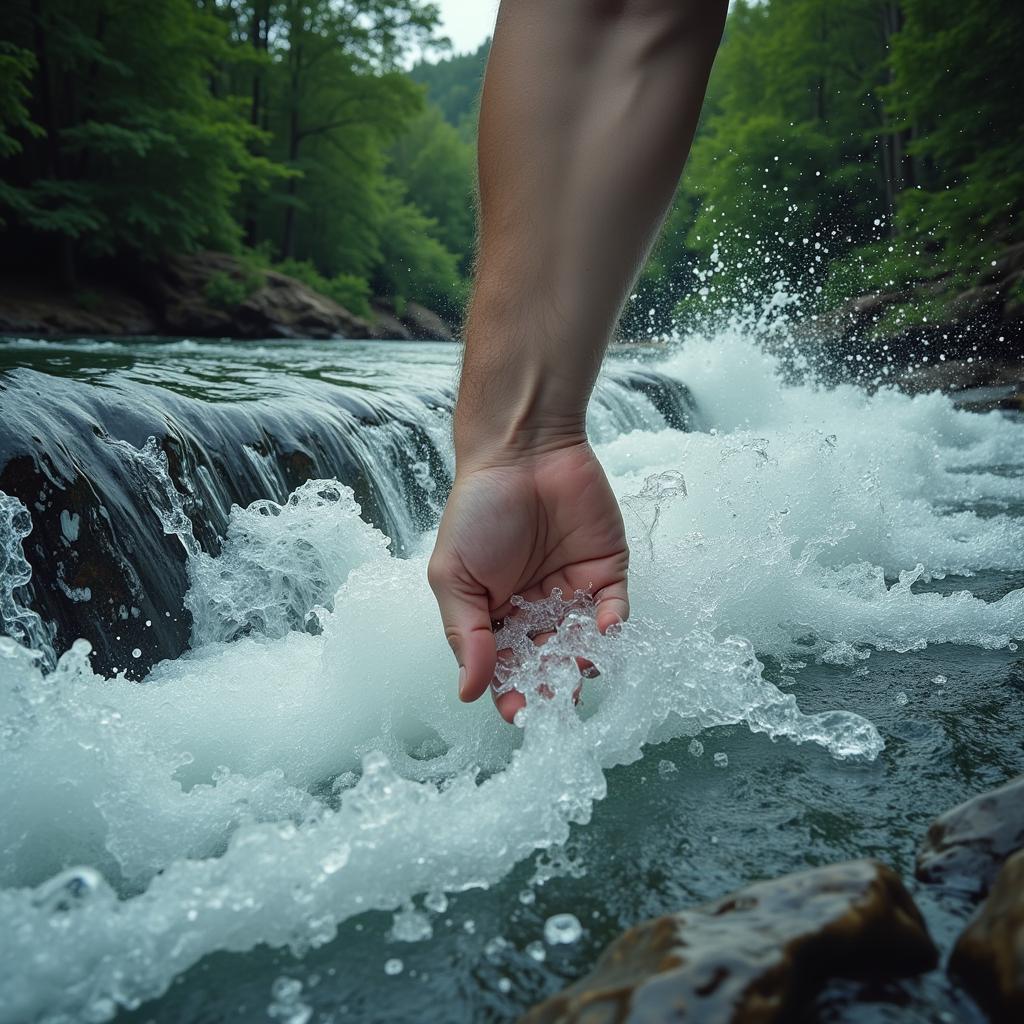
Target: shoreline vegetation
<point>285,168</point>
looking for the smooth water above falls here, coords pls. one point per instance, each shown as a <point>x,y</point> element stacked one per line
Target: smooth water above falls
<point>837,571</point>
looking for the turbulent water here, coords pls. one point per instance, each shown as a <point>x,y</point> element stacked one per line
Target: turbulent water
<point>273,788</point>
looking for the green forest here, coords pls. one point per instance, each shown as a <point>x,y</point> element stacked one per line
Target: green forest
<point>846,146</point>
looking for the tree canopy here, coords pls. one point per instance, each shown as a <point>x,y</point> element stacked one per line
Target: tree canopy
<point>845,144</point>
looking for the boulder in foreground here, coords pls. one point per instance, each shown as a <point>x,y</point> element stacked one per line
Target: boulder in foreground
<point>966,847</point>
<point>754,957</point>
<point>989,956</point>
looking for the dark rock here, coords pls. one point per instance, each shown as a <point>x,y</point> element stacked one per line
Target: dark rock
<point>35,310</point>
<point>425,324</point>
<point>414,323</point>
<point>386,324</point>
<point>989,956</point>
<point>966,846</point>
<point>103,567</point>
<point>755,956</point>
<point>275,305</point>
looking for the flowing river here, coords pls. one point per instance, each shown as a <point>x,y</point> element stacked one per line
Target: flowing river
<point>250,792</point>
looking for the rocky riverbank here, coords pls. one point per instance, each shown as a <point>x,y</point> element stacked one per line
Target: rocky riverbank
<point>761,954</point>
<point>204,295</point>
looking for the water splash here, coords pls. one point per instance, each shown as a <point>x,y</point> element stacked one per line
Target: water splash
<point>17,619</point>
<point>266,789</point>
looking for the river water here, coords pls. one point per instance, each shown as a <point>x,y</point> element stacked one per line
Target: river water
<point>295,820</point>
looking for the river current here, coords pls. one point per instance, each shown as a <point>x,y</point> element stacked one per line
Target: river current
<point>296,820</point>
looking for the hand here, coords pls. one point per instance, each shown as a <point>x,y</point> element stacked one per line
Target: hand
<point>524,525</point>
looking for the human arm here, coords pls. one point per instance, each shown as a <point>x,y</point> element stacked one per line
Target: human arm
<point>587,115</point>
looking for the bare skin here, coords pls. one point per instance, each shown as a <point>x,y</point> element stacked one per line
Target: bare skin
<point>586,119</point>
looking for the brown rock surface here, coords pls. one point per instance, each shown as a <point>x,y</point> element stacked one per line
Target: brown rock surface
<point>989,955</point>
<point>277,307</point>
<point>425,323</point>
<point>755,956</point>
<point>966,846</point>
<point>35,310</point>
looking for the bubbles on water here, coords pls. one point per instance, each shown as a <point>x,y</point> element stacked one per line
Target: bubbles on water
<point>536,951</point>
<point>411,925</point>
<point>17,619</point>
<point>436,902</point>
<point>562,930</point>
<point>393,967</point>
<point>336,859</point>
<point>666,768</point>
<point>496,947</point>
<point>721,759</point>
<point>328,773</point>
<point>901,700</point>
<point>286,1005</point>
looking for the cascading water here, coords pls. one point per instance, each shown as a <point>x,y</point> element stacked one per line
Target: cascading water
<point>306,762</point>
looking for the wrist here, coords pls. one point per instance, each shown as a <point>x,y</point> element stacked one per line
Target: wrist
<point>513,423</point>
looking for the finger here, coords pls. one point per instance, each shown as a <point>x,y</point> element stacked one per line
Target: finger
<point>467,625</point>
<point>508,704</point>
<point>612,605</point>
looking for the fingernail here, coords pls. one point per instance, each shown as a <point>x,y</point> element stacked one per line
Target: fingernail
<point>462,682</point>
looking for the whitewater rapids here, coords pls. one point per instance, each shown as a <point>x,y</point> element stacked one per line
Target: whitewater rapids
<point>267,789</point>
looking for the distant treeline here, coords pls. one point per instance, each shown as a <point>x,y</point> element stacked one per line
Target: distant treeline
<point>885,134</point>
<point>134,128</point>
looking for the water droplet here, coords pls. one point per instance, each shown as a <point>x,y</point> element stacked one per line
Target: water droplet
<point>393,966</point>
<point>562,929</point>
<point>537,951</point>
<point>436,902</point>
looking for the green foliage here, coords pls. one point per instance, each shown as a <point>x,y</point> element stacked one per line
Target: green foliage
<point>226,290</point>
<point>139,154</point>
<point>415,265</point>
<point>953,81</point>
<point>130,127</point>
<point>347,290</point>
<point>453,86</point>
<point>17,66</point>
<point>845,146</point>
<point>438,169</point>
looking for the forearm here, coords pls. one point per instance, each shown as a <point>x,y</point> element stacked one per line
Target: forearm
<point>587,115</point>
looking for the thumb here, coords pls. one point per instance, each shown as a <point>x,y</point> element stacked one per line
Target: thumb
<point>465,612</point>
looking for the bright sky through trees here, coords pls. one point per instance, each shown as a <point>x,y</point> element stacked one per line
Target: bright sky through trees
<point>467,22</point>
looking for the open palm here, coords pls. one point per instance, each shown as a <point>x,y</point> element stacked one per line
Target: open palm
<point>523,527</point>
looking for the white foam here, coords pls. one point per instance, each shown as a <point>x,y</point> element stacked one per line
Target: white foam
<point>266,789</point>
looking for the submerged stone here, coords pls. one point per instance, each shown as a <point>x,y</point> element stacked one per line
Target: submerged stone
<point>755,955</point>
<point>989,956</point>
<point>966,846</point>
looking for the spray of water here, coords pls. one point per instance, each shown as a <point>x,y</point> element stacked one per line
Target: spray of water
<point>307,760</point>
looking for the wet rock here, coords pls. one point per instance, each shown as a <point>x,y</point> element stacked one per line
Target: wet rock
<point>966,846</point>
<point>34,309</point>
<point>425,323</point>
<point>386,324</point>
<point>413,323</point>
<point>213,294</point>
<point>755,956</point>
<point>989,956</point>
